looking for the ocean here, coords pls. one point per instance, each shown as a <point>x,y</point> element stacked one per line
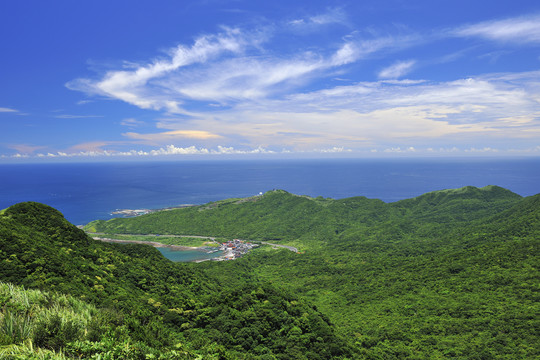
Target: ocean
<point>87,191</point>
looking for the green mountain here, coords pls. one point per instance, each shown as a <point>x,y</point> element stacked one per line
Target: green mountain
<point>279,215</point>
<point>148,307</point>
<point>448,274</point>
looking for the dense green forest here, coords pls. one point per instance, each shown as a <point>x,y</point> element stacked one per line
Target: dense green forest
<point>449,274</point>
<point>149,307</point>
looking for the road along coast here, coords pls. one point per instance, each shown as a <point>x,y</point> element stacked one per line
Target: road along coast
<point>228,253</point>
<point>232,249</point>
<point>152,243</point>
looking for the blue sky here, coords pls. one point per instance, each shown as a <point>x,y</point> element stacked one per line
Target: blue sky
<point>147,79</point>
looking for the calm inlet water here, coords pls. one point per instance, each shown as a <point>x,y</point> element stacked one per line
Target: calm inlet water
<point>187,255</point>
<point>89,191</point>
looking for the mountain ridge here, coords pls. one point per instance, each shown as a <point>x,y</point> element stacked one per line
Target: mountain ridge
<point>452,274</point>
<point>279,215</point>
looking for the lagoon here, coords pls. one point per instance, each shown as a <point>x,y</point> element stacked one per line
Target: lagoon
<point>188,255</point>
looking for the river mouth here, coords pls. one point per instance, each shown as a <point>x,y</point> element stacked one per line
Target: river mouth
<point>177,255</point>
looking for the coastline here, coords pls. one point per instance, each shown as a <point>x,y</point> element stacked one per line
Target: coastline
<point>139,212</point>
<point>152,243</point>
<point>227,253</point>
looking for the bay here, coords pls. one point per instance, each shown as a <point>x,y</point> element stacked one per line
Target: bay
<point>187,255</point>
<point>87,191</point>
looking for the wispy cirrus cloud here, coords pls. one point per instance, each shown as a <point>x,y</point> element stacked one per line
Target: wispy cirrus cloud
<point>501,92</point>
<point>70,116</point>
<point>8,110</point>
<point>131,122</point>
<point>12,111</point>
<point>236,83</point>
<point>492,106</point>
<point>25,148</point>
<point>397,70</point>
<point>331,16</point>
<point>92,146</point>
<point>140,86</point>
<point>525,29</point>
<point>168,136</point>
<point>227,68</point>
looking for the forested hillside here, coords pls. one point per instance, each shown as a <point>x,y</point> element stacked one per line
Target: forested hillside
<point>147,306</point>
<point>278,215</point>
<point>449,274</point>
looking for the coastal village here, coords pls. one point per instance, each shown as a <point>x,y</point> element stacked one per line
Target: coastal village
<point>234,249</point>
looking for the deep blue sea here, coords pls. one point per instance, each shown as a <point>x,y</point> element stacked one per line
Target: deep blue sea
<point>89,191</point>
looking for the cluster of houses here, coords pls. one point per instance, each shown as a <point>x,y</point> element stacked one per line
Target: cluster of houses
<point>235,248</point>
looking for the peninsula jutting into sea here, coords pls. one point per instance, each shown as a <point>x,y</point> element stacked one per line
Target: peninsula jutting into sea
<point>138,212</point>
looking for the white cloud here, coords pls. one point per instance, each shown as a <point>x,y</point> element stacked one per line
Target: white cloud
<point>169,150</point>
<point>131,86</point>
<point>312,23</point>
<point>3,109</point>
<point>220,150</point>
<point>519,30</point>
<point>335,149</point>
<point>172,150</point>
<point>400,150</point>
<point>493,106</point>
<point>67,116</point>
<point>92,146</point>
<point>397,70</point>
<point>163,137</point>
<point>496,94</point>
<point>24,148</point>
<point>333,16</point>
<point>348,53</point>
<point>131,122</point>
<point>483,150</point>
<point>227,68</point>
<point>249,93</point>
